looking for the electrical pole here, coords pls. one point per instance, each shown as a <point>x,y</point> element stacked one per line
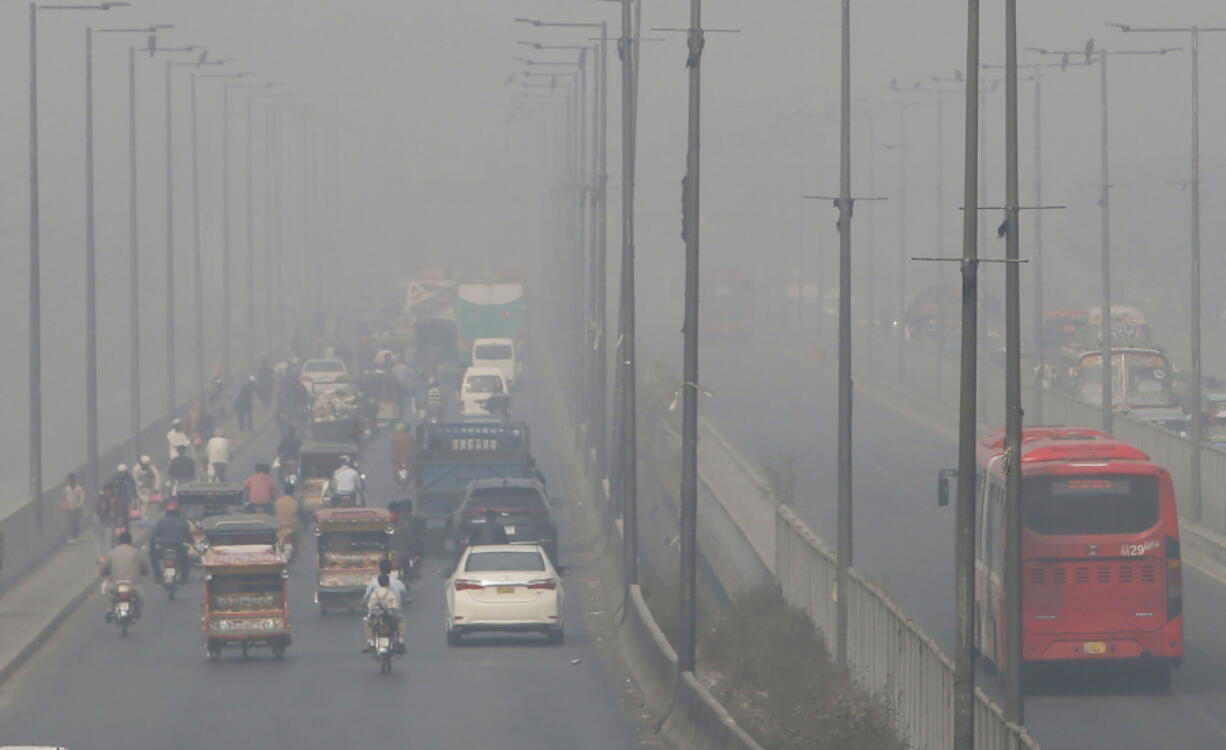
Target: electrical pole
<point>91,298</point>
<point>171,301</point>
<point>628,440</point>
<point>1038,248</point>
<point>197,263</point>
<point>686,651</point>
<point>1015,699</point>
<point>1194,502</point>
<point>133,258</point>
<point>35,294</point>
<point>1108,398</point>
<point>964,650</point>
<point>845,385</point>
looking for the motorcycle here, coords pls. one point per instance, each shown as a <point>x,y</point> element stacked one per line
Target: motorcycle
<point>123,606</point>
<point>386,648</point>
<point>286,544</point>
<point>170,571</point>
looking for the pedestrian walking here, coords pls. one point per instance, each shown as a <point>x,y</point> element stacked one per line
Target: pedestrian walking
<point>104,520</point>
<point>74,502</point>
<point>244,405</point>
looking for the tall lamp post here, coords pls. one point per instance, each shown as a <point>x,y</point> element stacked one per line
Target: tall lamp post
<point>1100,57</point>
<point>91,283</point>
<point>1198,426</point>
<point>35,272</point>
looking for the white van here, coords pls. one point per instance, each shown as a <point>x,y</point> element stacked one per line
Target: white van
<point>478,385</point>
<point>498,353</point>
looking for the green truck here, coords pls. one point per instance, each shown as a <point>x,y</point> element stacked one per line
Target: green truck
<point>494,310</point>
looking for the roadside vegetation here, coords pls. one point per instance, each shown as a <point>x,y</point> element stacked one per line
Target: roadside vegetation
<point>769,667</point>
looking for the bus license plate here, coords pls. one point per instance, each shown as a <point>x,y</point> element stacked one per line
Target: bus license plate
<point>506,589</point>
<point>1095,647</point>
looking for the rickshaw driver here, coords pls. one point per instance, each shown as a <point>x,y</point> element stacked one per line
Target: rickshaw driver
<point>383,601</point>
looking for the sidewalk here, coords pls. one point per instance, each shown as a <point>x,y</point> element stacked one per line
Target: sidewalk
<point>31,610</point>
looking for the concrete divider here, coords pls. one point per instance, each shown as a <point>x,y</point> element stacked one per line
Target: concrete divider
<point>649,657</point>
<point>699,722</point>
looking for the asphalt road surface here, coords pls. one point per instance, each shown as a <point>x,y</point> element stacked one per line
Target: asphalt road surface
<point>88,689</point>
<point>767,404</point>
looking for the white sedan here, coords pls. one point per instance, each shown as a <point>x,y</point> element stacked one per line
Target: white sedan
<point>504,587</point>
<point>323,371</point>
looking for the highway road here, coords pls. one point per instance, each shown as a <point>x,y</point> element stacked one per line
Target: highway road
<point>88,689</point>
<point>767,402</point>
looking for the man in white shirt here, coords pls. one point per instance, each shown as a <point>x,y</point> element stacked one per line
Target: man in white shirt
<point>217,451</point>
<point>346,482</point>
<point>177,437</point>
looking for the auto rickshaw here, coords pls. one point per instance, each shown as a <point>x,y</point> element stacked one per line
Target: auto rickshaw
<point>316,465</point>
<point>337,411</point>
<point>352,541</point>
<point>245,602</point>
<point>234,529</point>
<point>384,389</point>
<point>198,501</point>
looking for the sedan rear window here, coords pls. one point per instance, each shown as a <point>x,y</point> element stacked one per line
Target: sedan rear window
<point>489,562</point>
<point>325,366</point>
<point>505,498</point>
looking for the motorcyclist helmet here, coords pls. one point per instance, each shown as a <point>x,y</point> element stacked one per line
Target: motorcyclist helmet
<point>121,468</point>
<point>346,461</point>
<point>145,460</point>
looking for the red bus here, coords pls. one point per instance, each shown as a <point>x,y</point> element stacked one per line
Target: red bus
<point>1100,553</point>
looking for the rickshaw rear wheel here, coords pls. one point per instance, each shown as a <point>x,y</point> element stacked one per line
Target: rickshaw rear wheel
<point>213,651</point>
<point>244,647</point>
<point>278,652</point>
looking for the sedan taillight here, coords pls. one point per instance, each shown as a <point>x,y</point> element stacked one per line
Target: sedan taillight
<point>544,583</point>
<point>464,584</point>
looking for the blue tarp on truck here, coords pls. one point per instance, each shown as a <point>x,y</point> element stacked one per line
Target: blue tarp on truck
<point>450,455</point>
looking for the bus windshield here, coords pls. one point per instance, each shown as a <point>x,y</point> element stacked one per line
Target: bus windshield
<point>1095,504</point>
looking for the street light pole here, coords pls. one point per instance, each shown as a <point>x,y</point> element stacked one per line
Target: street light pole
<point>91,323</point>
<point>845,537</point>
<point>1197,425</point>
<point>687,647</point>
<point>628,440</point>
<point>964,650</point>
<point>1015,699</point>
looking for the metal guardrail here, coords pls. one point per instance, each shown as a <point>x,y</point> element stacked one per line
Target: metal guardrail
<point>887,653</point>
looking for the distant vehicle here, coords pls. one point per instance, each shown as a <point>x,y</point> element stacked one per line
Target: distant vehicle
<point>490,310</point>
<point>478,385</point>
<point>524,511</point>
<point>1141,384</point>
<point>323,371</point>
<point>498,353</point>
<point>727,302</point>
<point>452,454</point>
<point>1102,580</point>
<point>505,588</point>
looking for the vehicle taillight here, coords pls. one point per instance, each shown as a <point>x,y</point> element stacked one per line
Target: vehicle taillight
<point>543,583</point>
<point>463,584</point>
<point>1174,579</point>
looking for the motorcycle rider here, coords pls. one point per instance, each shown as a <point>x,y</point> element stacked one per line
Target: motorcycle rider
<point>397,586</point>
<point>170,533</point>
<point>402,447</point>
<point>176,437</point>
<point>148,481</point>
<point>346,483</point>
<point>218,453</point>
<point>286,511</point>
<point>498,402</point>
<point>383,600</point>
<point>434,400</point>
<point>490,532</point>
<point>123,493</point>
<point>261,490</point>
<point>182,467</point>
<point>124,563</point>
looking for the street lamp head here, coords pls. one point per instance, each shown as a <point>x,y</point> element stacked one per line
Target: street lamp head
<point>533,45</point>
<point>533,21</point>
<point>1121,26</point>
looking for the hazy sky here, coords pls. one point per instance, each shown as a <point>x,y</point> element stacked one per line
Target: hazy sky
<point>431,169</point>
